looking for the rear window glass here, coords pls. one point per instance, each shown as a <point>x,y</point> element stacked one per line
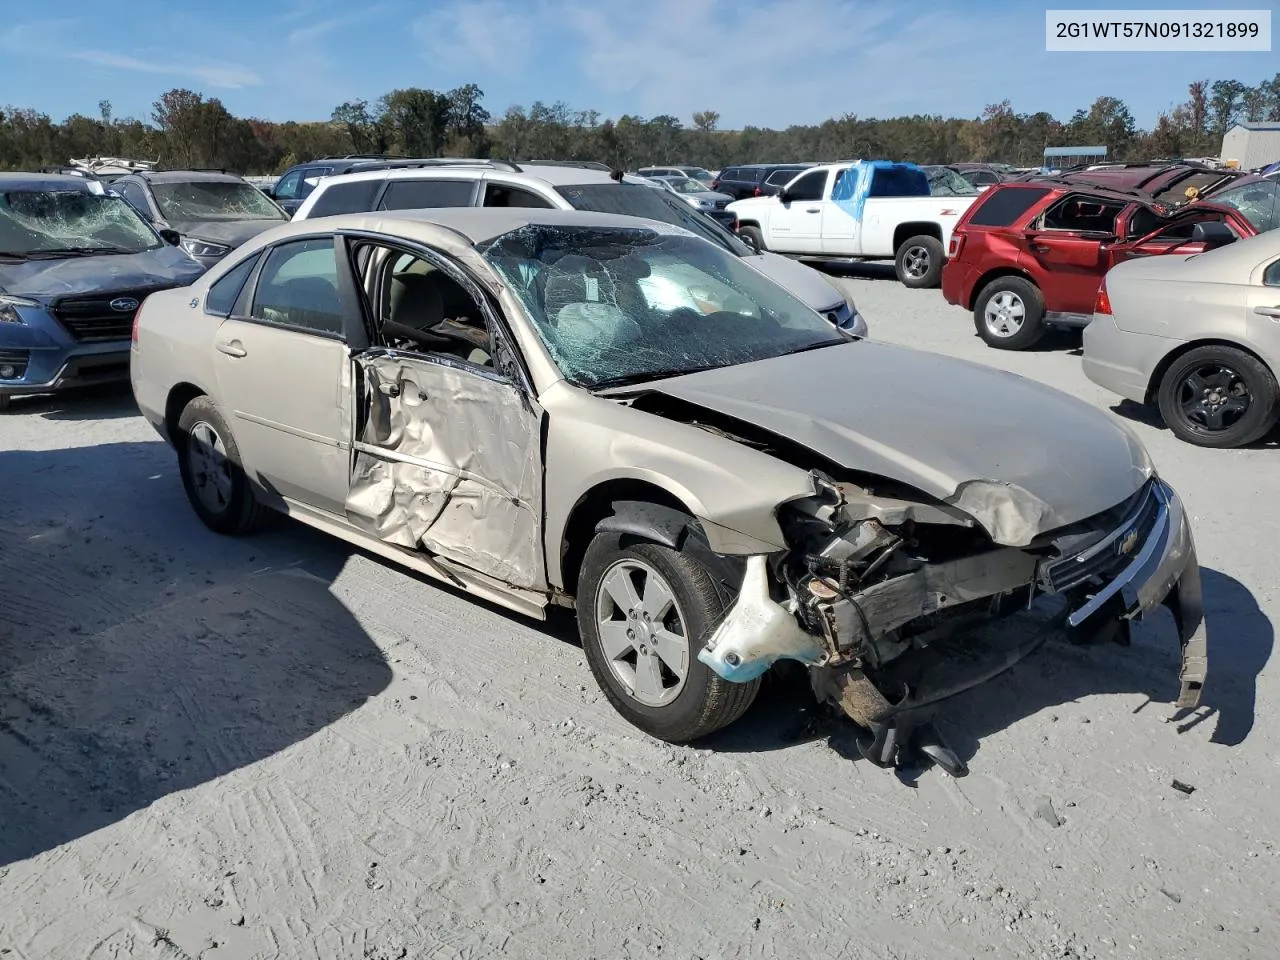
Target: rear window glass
<point>1258,201</point>
<point>354,197</point>
<point>222,296</point>
<point>426,194</point>
<point>1001,206</point>
<point>898,182</point>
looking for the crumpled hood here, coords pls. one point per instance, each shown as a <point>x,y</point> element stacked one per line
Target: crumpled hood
<point>71,276</point>
<point>231,232</point>
<point>1019,457</point>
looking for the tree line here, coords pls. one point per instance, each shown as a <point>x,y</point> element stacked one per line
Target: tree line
<point>188,130</point>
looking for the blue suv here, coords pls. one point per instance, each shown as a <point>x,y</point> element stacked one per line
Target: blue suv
<point>75,264</point>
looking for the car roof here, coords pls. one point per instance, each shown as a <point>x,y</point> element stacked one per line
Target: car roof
<point>46,181</point>
<point>551,174</point>
<point>477,224</point>
<point>187,176</point>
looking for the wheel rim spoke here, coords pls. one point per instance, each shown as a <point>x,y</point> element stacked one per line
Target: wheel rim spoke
<point>614,639</point>
<point>621,590</point>
<point>657,600</point>
<point>673,650</point>
<point>648,674</point>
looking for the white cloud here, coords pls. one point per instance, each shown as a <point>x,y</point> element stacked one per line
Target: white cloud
<point>216,74</point>
<point>488,36</point>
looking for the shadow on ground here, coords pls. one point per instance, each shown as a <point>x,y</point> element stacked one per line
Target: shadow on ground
<point>1241,639</point>
<point>108,401</point>
<point>1149,415</point>
<point>141,654</point>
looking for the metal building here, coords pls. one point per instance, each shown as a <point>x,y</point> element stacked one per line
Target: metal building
<point>1072,156</point>
<point>1252,144</point>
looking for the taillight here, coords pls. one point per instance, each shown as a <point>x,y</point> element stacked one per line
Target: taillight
<point>957,244</point>
<point>1103,302</point>
<point>758,193</point>
<point>715,184</point>
<point>134,336</point>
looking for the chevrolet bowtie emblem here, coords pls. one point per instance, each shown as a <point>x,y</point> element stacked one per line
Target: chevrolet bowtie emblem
<point>1128,542</point>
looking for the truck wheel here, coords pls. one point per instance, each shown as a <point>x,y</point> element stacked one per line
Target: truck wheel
<point>919,262</point>
<point>1009,314</point>
<point>211,469</point>
<point>644,612</point>
<point>753,237</point>
<point>1217,396</point>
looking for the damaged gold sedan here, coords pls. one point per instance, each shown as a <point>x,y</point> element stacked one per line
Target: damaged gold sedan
<point>552,407</point>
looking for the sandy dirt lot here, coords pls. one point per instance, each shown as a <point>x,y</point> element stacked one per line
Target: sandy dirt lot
<point>277,747</point>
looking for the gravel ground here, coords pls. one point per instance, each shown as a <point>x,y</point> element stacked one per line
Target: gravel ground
<point>278,747</point>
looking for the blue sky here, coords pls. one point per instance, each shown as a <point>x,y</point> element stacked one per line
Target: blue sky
<point>762,62</point>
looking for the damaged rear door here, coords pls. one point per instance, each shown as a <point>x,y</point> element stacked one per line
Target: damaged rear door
<point>447,434</point>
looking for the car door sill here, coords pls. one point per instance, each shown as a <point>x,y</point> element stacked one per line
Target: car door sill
<point>531,603</point>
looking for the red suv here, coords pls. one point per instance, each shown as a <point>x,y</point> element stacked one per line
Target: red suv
<point>1031,255</point>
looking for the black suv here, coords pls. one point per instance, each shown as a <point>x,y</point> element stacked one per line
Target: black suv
<point>756,179</point>
<point>296,183</point>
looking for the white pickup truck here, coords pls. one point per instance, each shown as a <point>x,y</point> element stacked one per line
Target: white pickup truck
<point>867,210</point>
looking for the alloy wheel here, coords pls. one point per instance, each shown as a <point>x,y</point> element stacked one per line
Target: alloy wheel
<point>1213,397</point>
<point>642,632</point>
<point>210,468</point>
<point>1004,314</point>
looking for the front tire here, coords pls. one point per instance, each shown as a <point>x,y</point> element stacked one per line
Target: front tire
<point>213,473</point>
<point>919,261</point>
<point>1218,396</point>
<point>644,612</point>
<point>1009,314</point>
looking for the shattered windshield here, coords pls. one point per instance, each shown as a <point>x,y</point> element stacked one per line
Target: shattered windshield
<point>214,200</point>
<point>633,200</point>
<point>945,182</point>
<point>58,222</point>
<point>623,305</point>
<point>1258,201</point>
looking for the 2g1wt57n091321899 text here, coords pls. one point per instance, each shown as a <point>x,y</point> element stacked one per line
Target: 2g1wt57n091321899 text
<point>1158,30</point>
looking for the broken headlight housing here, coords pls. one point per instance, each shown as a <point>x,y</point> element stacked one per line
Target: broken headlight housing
<point>9,308</point>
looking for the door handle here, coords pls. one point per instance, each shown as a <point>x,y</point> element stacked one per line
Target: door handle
<point>1272,312</point>
<point>813,210</point>
<point>1040,248</point>
<point>233,349</point>
<point>389,388</point>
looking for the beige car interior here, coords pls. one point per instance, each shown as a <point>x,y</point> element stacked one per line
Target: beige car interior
<point>425,310</point>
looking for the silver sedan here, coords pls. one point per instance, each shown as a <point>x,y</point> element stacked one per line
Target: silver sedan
<point>1198,337</point>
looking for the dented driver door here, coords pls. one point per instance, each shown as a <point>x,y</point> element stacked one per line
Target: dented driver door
<point>447,458</point>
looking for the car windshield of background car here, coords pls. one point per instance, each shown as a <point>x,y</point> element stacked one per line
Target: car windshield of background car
<point>1258,202</point>
<point>214,200</point>
<point>620,305</point>
<point>70,222</point>
<point>633,200</point>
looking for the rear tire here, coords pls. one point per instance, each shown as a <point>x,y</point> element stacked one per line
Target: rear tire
<point>1009,314</point>
<point>919,261</point>
<point>1218,396</point>
<point>213,473</point>
<point>689,700</point>
<point>753,237</point>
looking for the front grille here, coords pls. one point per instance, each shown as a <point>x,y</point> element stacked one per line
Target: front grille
<point>1107,559</point>
<point>92,319</point>
<point>721,204</point>
<point>16,359</point>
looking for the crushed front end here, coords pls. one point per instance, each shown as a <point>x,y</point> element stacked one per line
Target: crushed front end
<point>879,593</point>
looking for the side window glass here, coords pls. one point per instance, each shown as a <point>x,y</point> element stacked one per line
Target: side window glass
<point>354,197</point>
<point>500,195</point>
<point>287,187</point>
<point>1083,215</point>
<point>426,194</point>
<point>422,309</point>
<point>809,187</point>
<point>1272,275</point>
<point>136,199</point>
<point>298,287</point>
<point>222,296</point>
<point>310,180</point>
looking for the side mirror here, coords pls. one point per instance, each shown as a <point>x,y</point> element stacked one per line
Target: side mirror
<point>171,237</point>
<point>784,195</point>
<point>1212,233</point>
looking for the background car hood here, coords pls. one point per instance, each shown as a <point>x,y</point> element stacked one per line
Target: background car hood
<point>1019,457</point>
<point>69,276</point>
<point>800,281</point>
<point>231,232</point>
<point>712,196</point>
